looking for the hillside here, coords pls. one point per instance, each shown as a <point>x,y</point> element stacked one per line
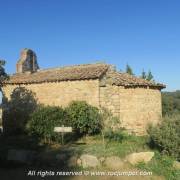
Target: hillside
<point>171,102</point>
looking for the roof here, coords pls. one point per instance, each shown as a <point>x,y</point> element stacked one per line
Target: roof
<point>80,72</point>
<point>124,79</point>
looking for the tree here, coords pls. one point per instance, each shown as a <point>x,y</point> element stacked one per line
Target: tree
<point>143,75</point>
<point>3,75</point>
<point>149,76</point>
<point>129,70</point>
<point>43,120</point>
<point>171,103</point>
<point>17,110</point>
<point>85,119</point>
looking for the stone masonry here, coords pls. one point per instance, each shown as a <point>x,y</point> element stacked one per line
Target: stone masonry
<point>136,102</point>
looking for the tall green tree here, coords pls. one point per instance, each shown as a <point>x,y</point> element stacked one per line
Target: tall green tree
<point>129,70</point>
<point>149,76</point>
<point>3,75</point>
<point>143,75</point>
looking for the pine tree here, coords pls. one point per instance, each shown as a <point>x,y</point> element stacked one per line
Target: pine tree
<point>129,70</point>
<point>149,76</point>
<point>3,75</point>
<point>143,75</point>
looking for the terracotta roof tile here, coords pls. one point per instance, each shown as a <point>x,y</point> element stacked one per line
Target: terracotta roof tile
<point>80,72</point>
<point>124,79</point>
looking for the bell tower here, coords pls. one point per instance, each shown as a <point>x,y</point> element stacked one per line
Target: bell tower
<point>27,62</point>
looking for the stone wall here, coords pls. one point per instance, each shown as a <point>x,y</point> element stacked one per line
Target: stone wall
<point>140,107</point>
<point>62,93</point>
<point>110,98</point>
<point>135,107</point>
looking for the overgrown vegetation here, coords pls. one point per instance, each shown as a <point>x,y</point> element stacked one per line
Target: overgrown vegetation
<point>42,122</point>
<point>129,69</point>
<point>127,144</point>
<point>161,165</point>
<point>3,74</point>
<point>147,76</point>
<point>17,110</point>
<point>171,103</point>
<point>166,136</point>
<point>85,119</point>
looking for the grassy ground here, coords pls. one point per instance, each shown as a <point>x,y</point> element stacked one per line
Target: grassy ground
<point>94,145</point>
<point>161,165</point>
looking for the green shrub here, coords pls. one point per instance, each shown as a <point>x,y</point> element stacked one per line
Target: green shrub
<point>43,121</point>
<point>114,135</point>
<point>170,102</point>
<point>110,122</point>
<point>85,118</point>
<point>17,110</point>
<point>161,165</point>
<point>166,136</point>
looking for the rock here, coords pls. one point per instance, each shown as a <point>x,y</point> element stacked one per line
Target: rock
<point>102,159</point>
<point>114,163</point>
<point>79,162</point>
<point>21,156</point>
<point>72,161</point>
<point>61,157</point>
<point>136,158</point>
<point>176,165</point>
<point>89,161</point>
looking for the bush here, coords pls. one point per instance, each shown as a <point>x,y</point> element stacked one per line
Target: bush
<point>85,118</point>
<point>17,110</point>
<point>166,136</point>
<point>170,102</point>
<point>43,121</point>
<point>110,122</point>
<point>114,135</point>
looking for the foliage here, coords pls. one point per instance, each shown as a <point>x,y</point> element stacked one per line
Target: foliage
<point>143,75</point>
<point>42,122</point>
<point>166,136</point>
<point>171,103</point>
<point>17,110</point>
<point>3,75</point>
<point>161,165</point>
<point>129,70</point>
<point>110,122</point>
<point>85,118</point>
<point>129,144</point>
<point>147,76</point>
<point>111,128</point>
<point>114,135</point>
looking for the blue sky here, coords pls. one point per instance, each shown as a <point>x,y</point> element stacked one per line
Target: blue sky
<point>142,33</point>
